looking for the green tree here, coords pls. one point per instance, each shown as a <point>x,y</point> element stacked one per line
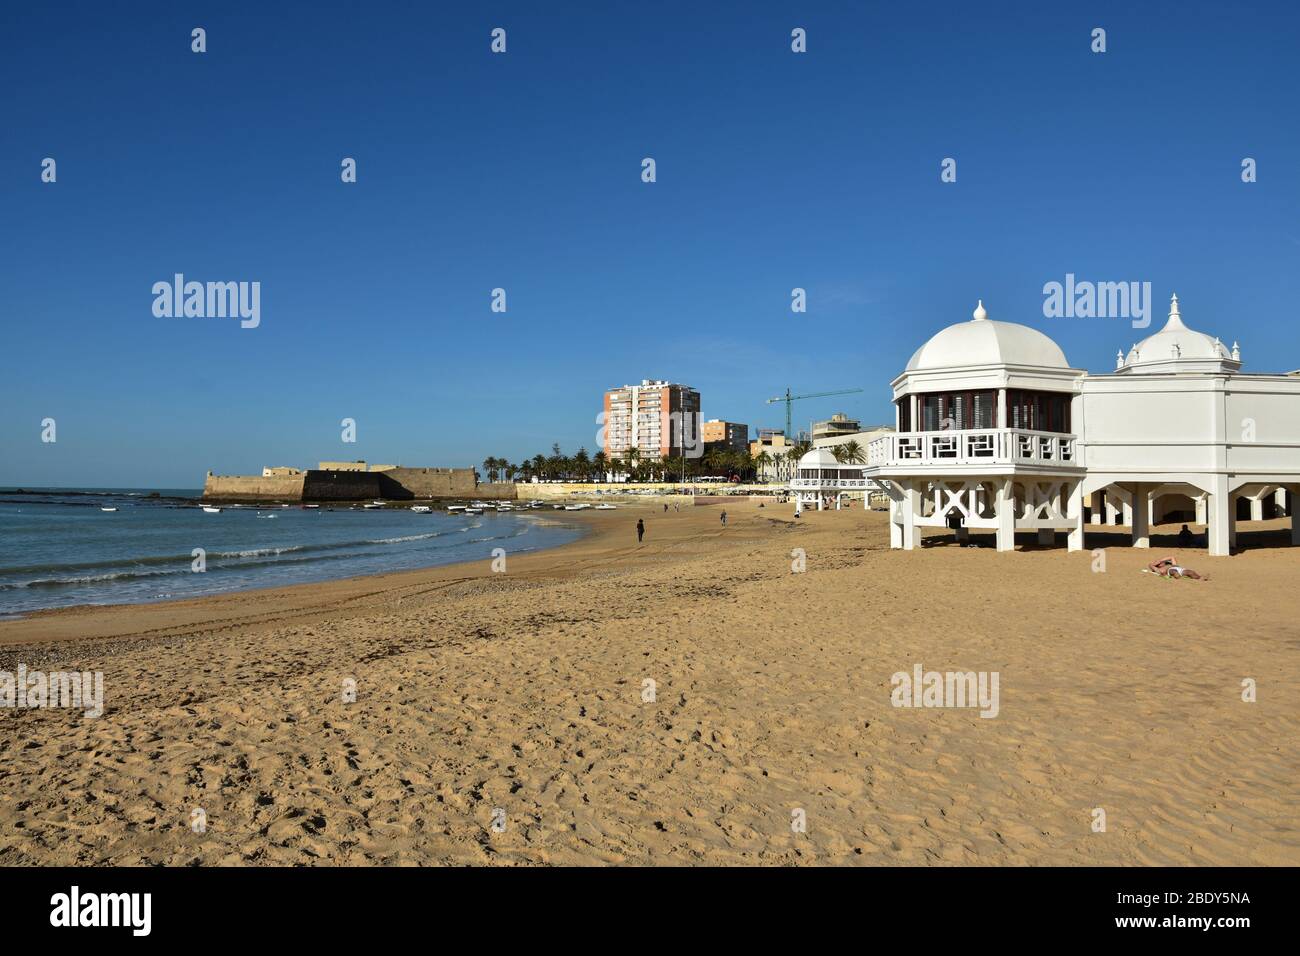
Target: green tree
<point>849,453</point>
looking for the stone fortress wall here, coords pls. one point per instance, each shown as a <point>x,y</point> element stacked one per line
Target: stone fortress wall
<point>352,484</point>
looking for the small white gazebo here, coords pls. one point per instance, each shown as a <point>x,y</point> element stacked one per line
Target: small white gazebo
<point>821,480</point>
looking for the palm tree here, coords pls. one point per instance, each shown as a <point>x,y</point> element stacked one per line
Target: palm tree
<point>761,462</point>
<point>490,468</point>
<point>600,465</point>
<point>849,453</point>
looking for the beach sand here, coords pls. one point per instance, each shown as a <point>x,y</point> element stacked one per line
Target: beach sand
<point>523,691</point>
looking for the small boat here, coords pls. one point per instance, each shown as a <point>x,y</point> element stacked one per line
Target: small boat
<point>210,509</point>
<point>452,509</point>
<point>505,507</point>
<point>473,511</point>
<point>421,509</point>
<point>311,506</point>
<point>266,516</point>
<point>372,505</point>
<point>107,509</point>
<point>558,507</point>
<point>606,507</point>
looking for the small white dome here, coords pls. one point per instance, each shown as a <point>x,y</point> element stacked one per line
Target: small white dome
<point>982,341</point>
<point>819,458</point>
<point>1176,348</point>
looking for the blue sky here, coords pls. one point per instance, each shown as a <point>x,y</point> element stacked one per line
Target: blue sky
<point>522,171</point>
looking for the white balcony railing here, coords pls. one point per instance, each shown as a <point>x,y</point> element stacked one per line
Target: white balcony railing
<point>982,446</point>
<point>846,484</point>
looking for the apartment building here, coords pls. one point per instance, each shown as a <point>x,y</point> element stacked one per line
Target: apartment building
<point>716,432</point>
<point>659,419</point>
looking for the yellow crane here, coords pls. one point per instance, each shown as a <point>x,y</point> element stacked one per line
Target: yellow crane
<point>791,399</point>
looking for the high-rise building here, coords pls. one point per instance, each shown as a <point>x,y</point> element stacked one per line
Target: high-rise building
<point>726,434</point>
<point>659,419</point>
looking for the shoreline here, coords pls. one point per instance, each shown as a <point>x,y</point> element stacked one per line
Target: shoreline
<point>53,625</point>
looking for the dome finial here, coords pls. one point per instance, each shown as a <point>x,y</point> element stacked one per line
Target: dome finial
<point>1175,317</point>
<point>980,313</point>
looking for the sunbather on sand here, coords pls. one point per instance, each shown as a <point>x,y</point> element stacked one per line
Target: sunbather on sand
<point>1170,568</point>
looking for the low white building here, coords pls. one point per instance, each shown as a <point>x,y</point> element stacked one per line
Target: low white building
<point>821,481</point>
<point>995,429</point>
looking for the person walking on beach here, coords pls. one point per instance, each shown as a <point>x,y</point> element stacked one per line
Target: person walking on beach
<point>723,516</point>
<point>640,530</point>
<point>665,507</point>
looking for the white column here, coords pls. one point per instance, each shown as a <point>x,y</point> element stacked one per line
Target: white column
<point>1112,510</point>
<point>1099,507</point>
<point>1002,408</point>
<point>1202,515</point>
<point>1141,516</point>
<point>895,523</point>
<point>911,534</point>
<point>1128,514</point>
<point>1220,515</point>
<point>1279,502</point>
<point>1075,540</point>
<point>1257,509</point>
<point>1005,508</point>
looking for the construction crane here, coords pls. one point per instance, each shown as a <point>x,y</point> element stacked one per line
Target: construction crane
<point>791,399</point>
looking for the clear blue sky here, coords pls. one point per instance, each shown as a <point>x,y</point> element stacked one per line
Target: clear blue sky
<point>775,170</point>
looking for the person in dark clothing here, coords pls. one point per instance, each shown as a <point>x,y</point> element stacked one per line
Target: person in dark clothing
<point>640,530</point>
<point>1185,537</point>
<point>724,518</point>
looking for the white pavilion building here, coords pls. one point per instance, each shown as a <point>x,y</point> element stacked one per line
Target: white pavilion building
<point>996,429</point>
<point>821,480</point>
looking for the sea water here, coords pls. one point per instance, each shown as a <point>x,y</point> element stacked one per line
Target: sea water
<point>57,548</point>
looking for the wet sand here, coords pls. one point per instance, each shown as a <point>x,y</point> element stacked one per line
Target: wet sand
<point>526,692</point>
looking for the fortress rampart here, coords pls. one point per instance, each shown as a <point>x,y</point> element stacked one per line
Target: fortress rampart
<point>394,484</point>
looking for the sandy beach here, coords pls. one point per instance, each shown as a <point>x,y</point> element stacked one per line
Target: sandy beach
<point>524,691</point>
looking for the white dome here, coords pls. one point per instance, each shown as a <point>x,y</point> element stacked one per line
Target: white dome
<point>819,458</point>
<point>1176,348</point>
<point>982,341</point>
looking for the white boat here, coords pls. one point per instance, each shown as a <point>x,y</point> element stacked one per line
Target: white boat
<point>473,511</point>
<point>421,509</point>
<point>505,507</point>
<point>107,509</point>
<point>606,507</point>
<point>373,504</point>
<point>311,506</point>
<point>452,509</point>
<point>210,509</point>
<point>558,507</point>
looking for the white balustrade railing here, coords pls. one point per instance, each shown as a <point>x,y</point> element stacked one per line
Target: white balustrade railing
<point>981,446</point>
<point>848,484</point>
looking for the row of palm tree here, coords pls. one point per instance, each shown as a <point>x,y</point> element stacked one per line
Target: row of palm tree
<point>727,463</point>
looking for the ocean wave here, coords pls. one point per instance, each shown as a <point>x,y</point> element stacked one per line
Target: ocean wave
<point>405,538</point>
